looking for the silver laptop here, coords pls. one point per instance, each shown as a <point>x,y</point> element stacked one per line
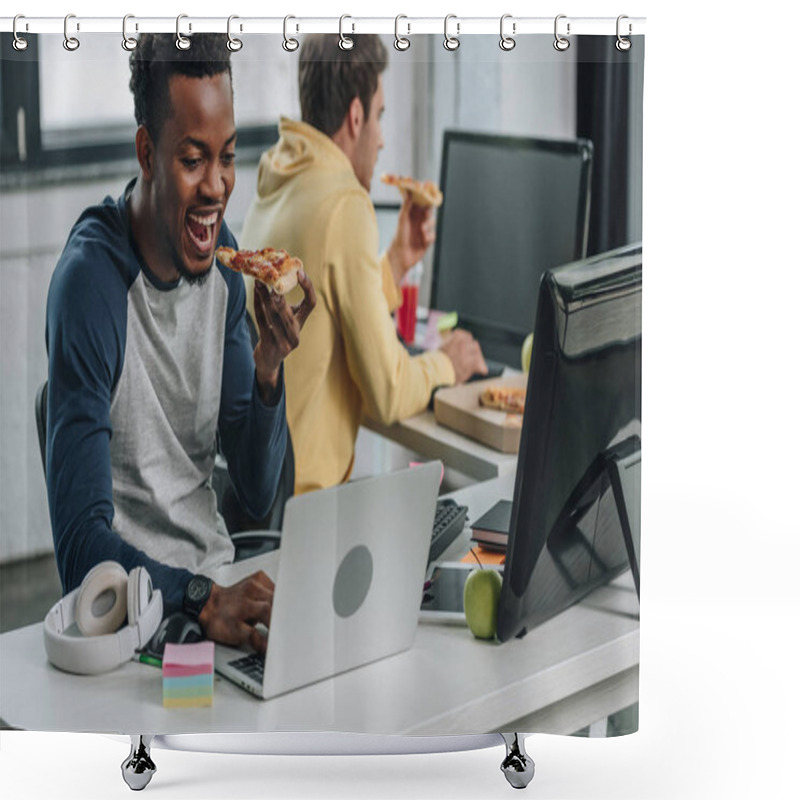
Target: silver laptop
<point>348,584</point>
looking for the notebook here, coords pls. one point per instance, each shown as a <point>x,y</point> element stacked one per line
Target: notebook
<point>491,529</point>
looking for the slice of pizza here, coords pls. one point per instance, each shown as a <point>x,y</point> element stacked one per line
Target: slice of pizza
<point>274,268</point>
<point>510,399</point>
<point>423,193</point>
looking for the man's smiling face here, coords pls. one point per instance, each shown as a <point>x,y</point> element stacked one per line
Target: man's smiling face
<point>193,173</point>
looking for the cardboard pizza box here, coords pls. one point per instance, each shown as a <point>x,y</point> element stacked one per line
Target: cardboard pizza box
<point>459,408</point>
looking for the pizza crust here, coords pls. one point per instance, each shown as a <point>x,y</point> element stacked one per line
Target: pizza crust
<point>423,193</point>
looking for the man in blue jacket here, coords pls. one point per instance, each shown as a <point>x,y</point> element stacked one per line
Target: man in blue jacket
<point>150,357</point>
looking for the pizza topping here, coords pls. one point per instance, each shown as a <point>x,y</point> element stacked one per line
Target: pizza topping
<point>275,268</point>
<point>506,398</point>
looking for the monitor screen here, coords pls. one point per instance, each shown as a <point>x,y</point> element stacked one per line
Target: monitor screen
<point>513,208</point>
<point>582,415</point>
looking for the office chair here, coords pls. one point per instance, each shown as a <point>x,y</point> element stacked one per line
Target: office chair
<point>253,536</point>
<point>247,543</point>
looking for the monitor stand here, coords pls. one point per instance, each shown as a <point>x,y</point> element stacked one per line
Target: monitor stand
<point>588,555</point>
<point>624,469</point>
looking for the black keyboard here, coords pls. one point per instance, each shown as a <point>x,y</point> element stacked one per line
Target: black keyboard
<point>252,666</point>
<point>495,368</point>
<point>447,524</point>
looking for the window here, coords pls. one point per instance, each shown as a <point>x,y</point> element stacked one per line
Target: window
<point>68,109</point>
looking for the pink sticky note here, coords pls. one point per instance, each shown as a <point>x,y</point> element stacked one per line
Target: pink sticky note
<point>189,655</point>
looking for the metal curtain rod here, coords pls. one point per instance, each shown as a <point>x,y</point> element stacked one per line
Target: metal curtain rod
<point>406,26</point>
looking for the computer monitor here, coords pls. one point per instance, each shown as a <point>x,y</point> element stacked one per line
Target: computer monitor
<point>513,208</point>
<point>574,520</point>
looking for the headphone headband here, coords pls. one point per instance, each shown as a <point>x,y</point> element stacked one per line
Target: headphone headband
<point>91,655</point>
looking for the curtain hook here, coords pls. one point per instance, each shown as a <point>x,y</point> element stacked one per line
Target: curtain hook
<point>289,45</point>
<point>345,42</point>
<point>234,45</point>
<point>561,43</point>
<point>507,42</point>
<point>128,42</point>
<point>70,42</point>
<point>19,43</point>
<point>400,42</point>
<point>623,44</point>
<point>181,42</point>
<point>451,42</point>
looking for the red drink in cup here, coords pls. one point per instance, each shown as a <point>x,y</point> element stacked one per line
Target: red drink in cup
<point>407,313</point>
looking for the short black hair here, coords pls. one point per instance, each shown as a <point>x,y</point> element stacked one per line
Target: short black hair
<point>156,59</point>
<point>331,78</point>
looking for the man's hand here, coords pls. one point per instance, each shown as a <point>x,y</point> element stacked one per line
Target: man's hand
<point>414,235</point>
<point>279,327</point>
<point>231,612</point>
<point>465,354</point>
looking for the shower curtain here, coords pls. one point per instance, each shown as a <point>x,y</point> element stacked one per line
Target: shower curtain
<point>536,147</point>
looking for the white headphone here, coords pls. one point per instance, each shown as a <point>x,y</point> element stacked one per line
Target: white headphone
<point>98,608</point>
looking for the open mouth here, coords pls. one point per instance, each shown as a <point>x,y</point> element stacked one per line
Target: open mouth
<point>201,229</point>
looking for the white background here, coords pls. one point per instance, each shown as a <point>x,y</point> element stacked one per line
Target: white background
<point>720,703</point>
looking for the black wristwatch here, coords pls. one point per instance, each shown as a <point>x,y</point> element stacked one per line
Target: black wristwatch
<point>198,590</point>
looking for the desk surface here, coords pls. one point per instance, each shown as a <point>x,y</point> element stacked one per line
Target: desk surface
<point>568,672</point>
<point>425,436</point>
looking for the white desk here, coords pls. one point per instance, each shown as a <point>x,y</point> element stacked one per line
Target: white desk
<point>565,674</point>
<point>425,436</point>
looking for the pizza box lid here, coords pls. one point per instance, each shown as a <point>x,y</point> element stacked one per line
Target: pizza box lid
<point>459,408</point>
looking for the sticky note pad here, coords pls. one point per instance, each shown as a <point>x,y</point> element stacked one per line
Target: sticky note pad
<point>486,556</point>
<point>188,675</point>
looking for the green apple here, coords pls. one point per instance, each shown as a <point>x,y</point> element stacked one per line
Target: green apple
<point>481,599</point>
<point>527,350</point>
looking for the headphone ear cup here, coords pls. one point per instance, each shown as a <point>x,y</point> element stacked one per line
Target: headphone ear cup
<point>140,590</point>
<point>101,604</point>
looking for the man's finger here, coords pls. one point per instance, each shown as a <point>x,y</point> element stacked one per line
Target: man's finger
<point>264,317</point>
<point>287,329</point>
<point>258,307</point>
<point>258,585</point>
<point>262,578</point>
<point>257,641</point>
<point>262,612</point>
<point>303,309</point>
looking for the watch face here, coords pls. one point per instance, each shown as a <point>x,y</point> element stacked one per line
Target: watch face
<point>198,588</point>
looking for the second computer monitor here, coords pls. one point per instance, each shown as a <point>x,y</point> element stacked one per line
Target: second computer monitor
<point>513,208</point>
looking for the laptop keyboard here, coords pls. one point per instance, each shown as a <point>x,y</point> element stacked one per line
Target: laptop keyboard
<point>447,524</point>
<point>251,665</point>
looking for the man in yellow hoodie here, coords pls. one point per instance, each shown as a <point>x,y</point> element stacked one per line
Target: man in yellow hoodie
<point>313,200</point>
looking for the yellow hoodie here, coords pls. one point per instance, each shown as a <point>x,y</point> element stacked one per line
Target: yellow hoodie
<point>349,361</point>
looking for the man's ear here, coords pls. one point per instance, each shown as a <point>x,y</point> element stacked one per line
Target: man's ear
<point>355,118</point>
<point>145,152</point>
